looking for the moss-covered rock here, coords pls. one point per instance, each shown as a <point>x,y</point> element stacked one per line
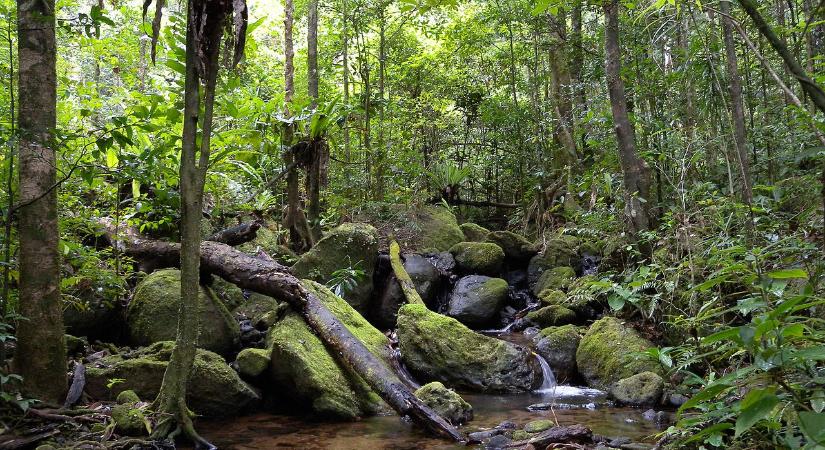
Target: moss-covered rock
<point>215,389</point>
<point>75,344</point>
<point>642,389</point>
<point>558,250</point>
<point>446,402</point>
<point>425,277</point>
<point>252,362</point>
<point>352,245</point>
<point>607,353</point>
<point>437,347</point>
<point>557,278</point>
<point>537,426</point>
<point>268,240</point>
<point>229,294</point>
<point>127,397</point>
<point>476,299</point>
<point>301,363</point>
<point>552,315</point>
<point>153,314</point>
<point>439,228</point>
<point>558,345</point>
<point>549,297</point>
<point>474,232</point>
<point>129,420</point>
<point>257,306</point>
<point>581,297</point>
<point>516,247</point>
<point>478,257</point>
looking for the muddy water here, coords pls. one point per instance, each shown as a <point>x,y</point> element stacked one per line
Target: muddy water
<point>264,431</point>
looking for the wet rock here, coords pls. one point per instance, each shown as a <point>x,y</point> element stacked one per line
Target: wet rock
<point>618,442</point>
<point>530,332</point>
<point>608,351</point>
<point>476,299</point>
<point>426,278</point>
<point>480,436</point>
<point>516,247</point>
<point>306,372</point>
<point>478,258</point>
<point>498,442</point>
<point>578,434</point>
<point>677,400</point>
<point>252,362</point>
<point>516,277</point>
<point>638,390</point>
<point>559,250</point>
<point>540,406</point>
<point>444,262</point>
<point>553,315</point>
<point>558,346</point>
<point>446,402</point>
<point>538,426</point>
<point>152,315</point>
<point>437,347</point>
<point>474,232</point>
<point>507,425</point>
<point>556,278</point>
<point>350,245</point>
<point>216,390</point>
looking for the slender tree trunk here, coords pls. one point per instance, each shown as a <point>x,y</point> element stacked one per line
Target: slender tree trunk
<point>380,154</point>
<point>345,62</point>
<point>635,170</point>
<point>292,209</point>
<point>561,86</point>
<point>576,63</point>
<point>41,349</point>
<point>317,145</point>
<point>737,106</point>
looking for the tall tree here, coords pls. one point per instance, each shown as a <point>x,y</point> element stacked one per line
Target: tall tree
<point>635,170</point>
<point>41,349</point>
<point>737,105</point>
<point>292,208</point>
<point>316,145</point>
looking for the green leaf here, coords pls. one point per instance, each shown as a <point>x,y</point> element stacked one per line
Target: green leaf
<point>616,302</point>
<point>813,425</point>
<point>707,393</point>
<point>755,407</point>
<point>135,188</point>
<point>111,158</point>
<point>785,274</point>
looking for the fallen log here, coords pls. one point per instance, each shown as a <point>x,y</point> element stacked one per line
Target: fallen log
<point>402,276</point>
<point>237,235</point>
<point>273,279</point>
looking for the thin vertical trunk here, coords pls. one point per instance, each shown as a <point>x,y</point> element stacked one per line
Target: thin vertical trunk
<point>561,87</point>
<point>345,61</point>
<point>317,145</point>
<point>635,170</point>
<point>378,164</point>
<point>576,63</point>
<point>291,219</point>
<point>41,349</point>
<point>737,106</point>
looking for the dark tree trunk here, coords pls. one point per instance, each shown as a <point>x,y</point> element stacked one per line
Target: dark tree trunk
<point>41,349</point>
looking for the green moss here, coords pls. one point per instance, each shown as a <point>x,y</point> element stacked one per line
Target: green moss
<point>257,306</point>
<point>607,353</point>
<point>349,245</point>
<point>642,389</point>
<point>75,344</point>
<point>562,334</point>
<point>474,232</point>
<point>303,366</point>
<point>437,347</point>
<point>558,278</point>
<point>127,397</point>
<point>129,421</point>
<point>537,426</point>
<point>478,257</point>
<point>439,228</point>
<point>551,315</point>
<point>446,402</point>
<point>253,361</point>
<point>269,241</point>
<point>549,297</point>
<point>515,246</point>
<point>229,294</point>
<point>153,314</point>
<point>521,435</point>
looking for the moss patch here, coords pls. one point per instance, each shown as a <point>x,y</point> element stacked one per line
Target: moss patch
<point>558,278</point>
<point>446,402</point>
<point>474,232</point>
<point>642,389</point>
<point>478,257</point>
<point>516,247</point>
<point>556,250</point>
<point>551,315</point>
<point>606,353</point>
<point>253,361</point>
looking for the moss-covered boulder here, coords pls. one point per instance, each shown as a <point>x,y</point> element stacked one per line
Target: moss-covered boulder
<point>557,250</point>
<point>474,232</point>
<point>439,228</point>
<point>127,397</point>
<point>303,366</point>
<point>129,420</point>
<point>642,389</point>
<point>252,362</point>
<point>549,297</point>
<point>558,345</point>
<point>537,426</point>
<point>446,402</point>
<point>608,352</point>
<point>152,314</point>
<point>478,258</point>
<point>215,389</point>
<point>557,278</point>
<point>257,306</point>
<point>476,299</point>
<point>229,294</point>
<point>268,240</point>
<point>581,297</point>
<point>352,245</point>
<point>516,247</point>
<point>425,277</point>
<point>440,348</point>
<point>552,315</point>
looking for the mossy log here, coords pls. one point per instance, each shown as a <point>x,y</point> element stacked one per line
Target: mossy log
<point>402,276</point>
<point>270,278</point>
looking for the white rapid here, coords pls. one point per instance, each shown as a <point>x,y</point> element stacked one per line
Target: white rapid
<point>550,388</point>
<point>548,378</point>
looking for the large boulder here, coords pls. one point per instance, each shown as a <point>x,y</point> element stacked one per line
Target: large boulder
<point>476,299</point>
<point>215,389</point>
<point>642,389</point>
<point>426,278</point>
<point>558,345</point>
<point>439,228</point>
<point>557,278</point>
<point>474,232</point>
<point>558,250</point>
<point>516,247</point>
<point>440,348</point>
<point>421,229</point>
<point>446,402</point>
<point>478,257</point>
<point>152,315</point>
<point>608,352</point>
<point>302,365</point>
<point>95,317</point>
<point>351,245</point>
<point>552,315</point>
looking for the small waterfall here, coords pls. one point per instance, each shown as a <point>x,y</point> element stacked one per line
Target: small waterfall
<point>548,383</point>
<point>499,331</point>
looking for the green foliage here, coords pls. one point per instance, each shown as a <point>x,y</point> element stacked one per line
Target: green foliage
<point>346,279</point>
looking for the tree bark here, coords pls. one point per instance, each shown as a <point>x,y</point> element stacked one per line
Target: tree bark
<point>290,220</point>
<point>561,88</point>
<point>41,349</point>
<point>634,168</point>
<point>401,275</point>
<point>737,106</point>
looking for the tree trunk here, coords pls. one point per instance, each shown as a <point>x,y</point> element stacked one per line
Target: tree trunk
<point>737,106</point>
<point>634,168</point>
<point>292,209</point>
<point>561,85</point>
<point>41,349</point>
<point>317,145</point>
<point>401,275</point>
<point>380,156</point>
